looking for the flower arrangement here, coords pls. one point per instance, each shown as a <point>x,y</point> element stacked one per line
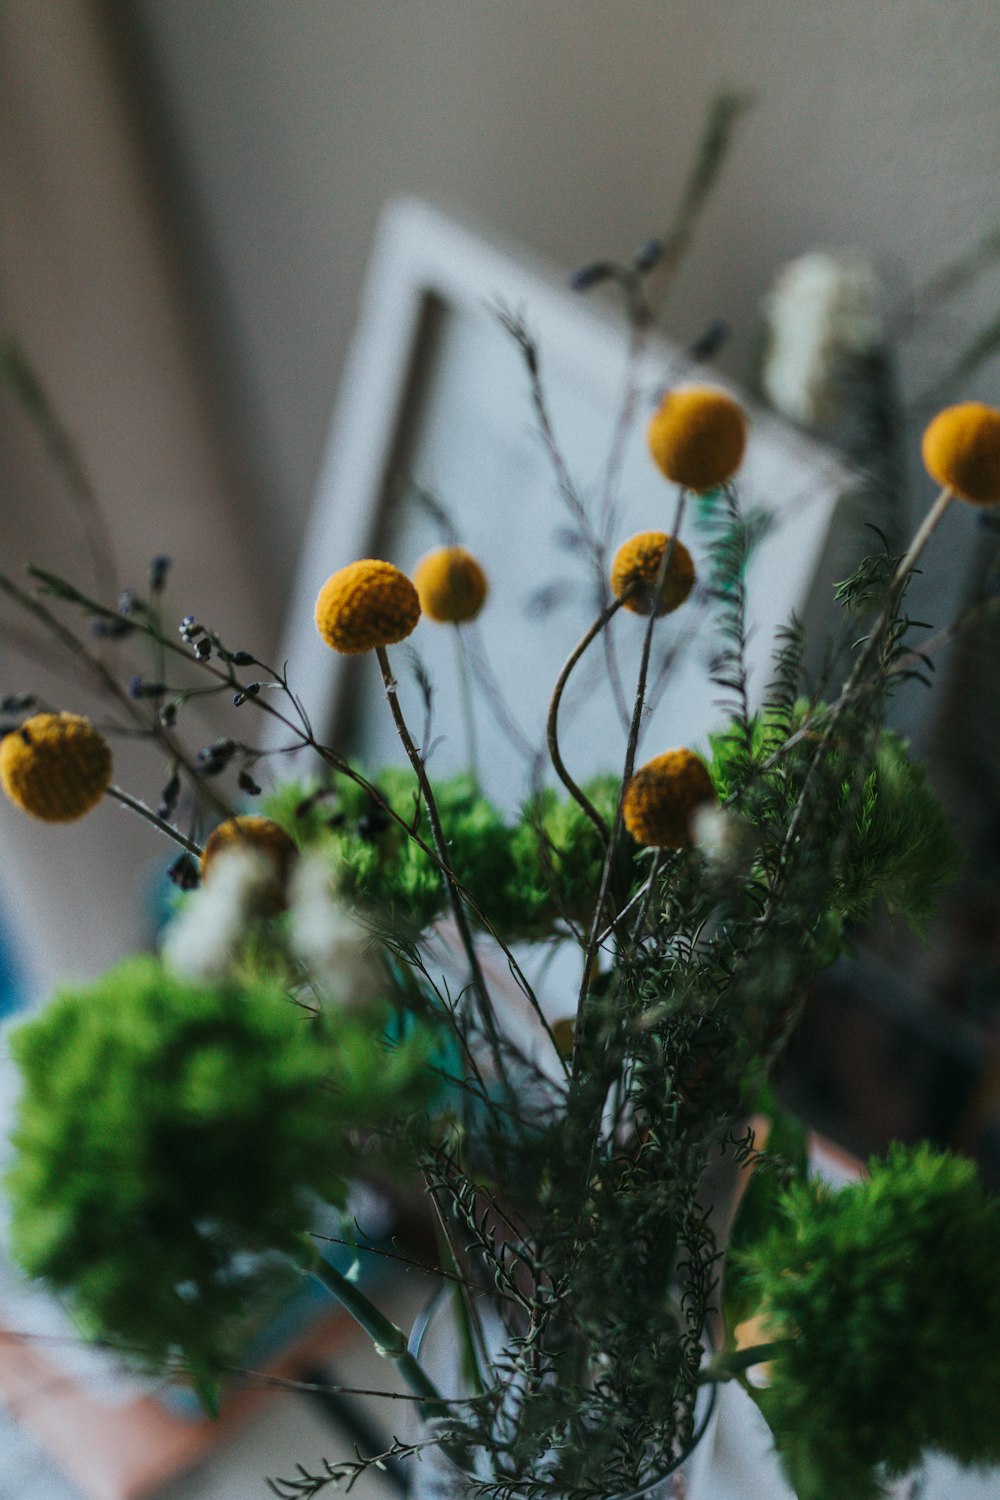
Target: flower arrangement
<point>182,1119</point>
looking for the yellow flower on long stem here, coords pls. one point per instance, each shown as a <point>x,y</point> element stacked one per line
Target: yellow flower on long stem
<point>636,570</point>
<point>697,436</point>
<point>662,795</point>
<point>366,605</point>
<point>961,450</point>
<point>55,767</point>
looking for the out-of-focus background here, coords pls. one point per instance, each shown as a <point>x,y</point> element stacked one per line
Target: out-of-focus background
<point>188,196</point>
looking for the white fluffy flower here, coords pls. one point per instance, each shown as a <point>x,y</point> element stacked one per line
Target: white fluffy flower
<point>719,833</point>
<point>327,936</point>
<point>202,940</point>
<point>821,314</point>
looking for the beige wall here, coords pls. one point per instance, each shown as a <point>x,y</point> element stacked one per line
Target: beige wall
<point>86,287</point>
<point>567,123</point>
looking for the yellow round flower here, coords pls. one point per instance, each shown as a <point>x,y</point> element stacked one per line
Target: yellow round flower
<point>450,584</point>
<point>961,450</point>
<point>250,831</point>
<point>697,436</point>
<point>636,568</point>
<point>660,798</point>
<point>364,605</point>
<point>56,767</point>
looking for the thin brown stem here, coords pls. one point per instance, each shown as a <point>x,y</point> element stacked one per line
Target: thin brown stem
<point>452,889</point>
<point>134,805</point>
<point>552,724</point>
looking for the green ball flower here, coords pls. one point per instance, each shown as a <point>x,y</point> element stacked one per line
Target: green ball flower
<point>169,1137</point>
<point>889,1291</point>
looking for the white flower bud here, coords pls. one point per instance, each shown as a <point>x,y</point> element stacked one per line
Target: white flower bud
<point>203,939</point>
<point>328,937</point>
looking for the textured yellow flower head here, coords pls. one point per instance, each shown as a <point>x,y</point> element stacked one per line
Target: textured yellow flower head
<point>697,436</point>
<point>450,584</point>
<point>961,450</point>
<point>250,831</point>
<point>661,797</point>
<point>365,605</point>
<point>637,566</point>
<point>56,767</point>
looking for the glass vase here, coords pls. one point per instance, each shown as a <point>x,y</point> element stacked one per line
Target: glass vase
<point>435,1477</point>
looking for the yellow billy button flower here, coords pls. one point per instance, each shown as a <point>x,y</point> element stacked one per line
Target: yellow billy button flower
<point>661,797</point>
<point>56,767</point>
<point>365,605</point>
<point>961,450</point>
<point>250,831</point>
<point>451,585</point>
<point>637,566</point>
<point>697,436</point>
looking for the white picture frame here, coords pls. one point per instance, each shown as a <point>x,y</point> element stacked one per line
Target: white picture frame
<point>436,392</point>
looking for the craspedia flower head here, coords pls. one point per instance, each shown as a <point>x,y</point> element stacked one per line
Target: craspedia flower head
<point>55,767</point>
<point>637,566</point>
<point>366,605</point>
<point>450,584</point>
<point>697,436</point>
<point>250,831</point>
<point>961,450</point>
<point>662,795</point>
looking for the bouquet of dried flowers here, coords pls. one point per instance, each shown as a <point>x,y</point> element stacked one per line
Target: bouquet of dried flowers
<point>187,1122</point>
<point>181,1119</point>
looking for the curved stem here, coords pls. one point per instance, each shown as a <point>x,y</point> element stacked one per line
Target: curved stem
<point>134,805</point>
<point>552,724</point>
<point>737,1361</point>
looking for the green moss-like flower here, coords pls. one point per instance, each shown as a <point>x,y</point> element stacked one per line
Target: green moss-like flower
<point>170,1135</point>
<point>889,1291</point>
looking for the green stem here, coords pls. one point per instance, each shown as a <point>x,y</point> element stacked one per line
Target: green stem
<point>727,1366</point>
<point>389,1340</point>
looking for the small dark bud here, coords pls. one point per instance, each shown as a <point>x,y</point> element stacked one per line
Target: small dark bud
<point>137,688</point>
<point>190,629</point>
<point>336,820</point>
<point>223,750</point>
<point>110,630</point>
<point>711,341</point>
<point>184,873</point>
<point>243,659</point>
<point>126,601</point>
<point>649,255</point>
<point>248,785</point>
<point>158,570</point>
<point>168,715</point>
<point>17,703</point>
<point>203,649</point>
<point>168,797</point>
<point>584,277</point>
<point>250,691</point>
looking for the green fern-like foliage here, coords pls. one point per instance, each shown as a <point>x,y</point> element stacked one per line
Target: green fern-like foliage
<point>526,877</point>
<point>889,1291</point>
<point>902,851</point>
<point>886,841</point>
<point>169,1136</point>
